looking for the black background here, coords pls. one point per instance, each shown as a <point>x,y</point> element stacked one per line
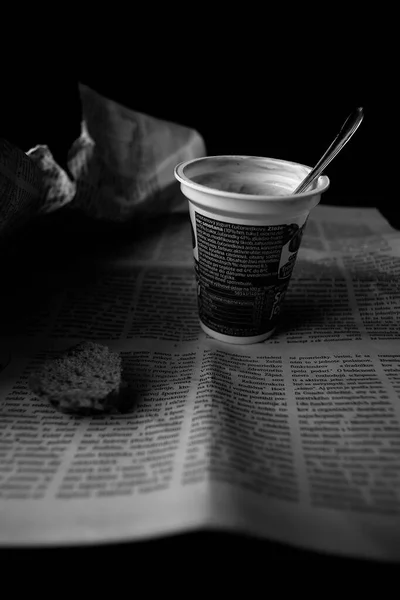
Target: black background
<point>235,107</point>
<point>242,100</point>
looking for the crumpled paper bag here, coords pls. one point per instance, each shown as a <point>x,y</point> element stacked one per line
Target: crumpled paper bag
<point>123,161</point>
<point>121,167</point>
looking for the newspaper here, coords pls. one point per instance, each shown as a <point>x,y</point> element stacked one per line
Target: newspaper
<point>20,188</point>
<point>296,439</point>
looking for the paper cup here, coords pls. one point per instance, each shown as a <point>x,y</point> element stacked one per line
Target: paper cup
<point>246,230</point>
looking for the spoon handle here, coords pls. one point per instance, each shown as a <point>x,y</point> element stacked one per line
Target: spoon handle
<point>350,125</point>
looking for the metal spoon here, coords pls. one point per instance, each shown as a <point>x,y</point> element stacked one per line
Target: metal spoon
<point>350,125</point>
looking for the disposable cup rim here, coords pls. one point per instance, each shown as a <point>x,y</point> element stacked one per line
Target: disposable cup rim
<point>323,181</point>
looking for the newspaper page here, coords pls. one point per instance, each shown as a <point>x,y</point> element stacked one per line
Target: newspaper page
<point>296,439</point>
<point>20,188</point>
